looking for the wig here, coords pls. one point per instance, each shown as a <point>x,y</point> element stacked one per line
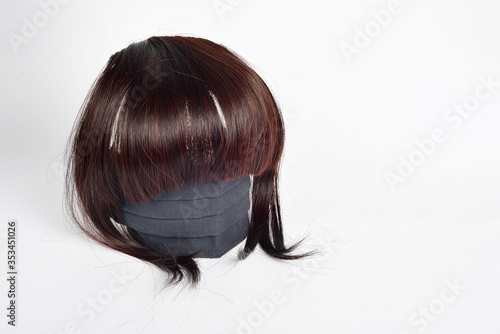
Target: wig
<point>166,113</point>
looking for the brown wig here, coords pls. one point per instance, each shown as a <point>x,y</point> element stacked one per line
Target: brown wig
<point>164,113</point>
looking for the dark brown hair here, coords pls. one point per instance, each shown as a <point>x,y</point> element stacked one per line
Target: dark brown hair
<point>164,113</point>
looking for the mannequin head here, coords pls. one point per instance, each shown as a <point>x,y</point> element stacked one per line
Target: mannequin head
<point>164,114</point>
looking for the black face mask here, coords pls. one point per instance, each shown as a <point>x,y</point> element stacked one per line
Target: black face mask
<point>207,219</point>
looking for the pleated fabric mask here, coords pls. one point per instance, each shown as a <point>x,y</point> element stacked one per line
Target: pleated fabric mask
<point>205,220</point>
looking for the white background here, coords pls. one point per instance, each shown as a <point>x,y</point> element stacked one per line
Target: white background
<point>389,255</point>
